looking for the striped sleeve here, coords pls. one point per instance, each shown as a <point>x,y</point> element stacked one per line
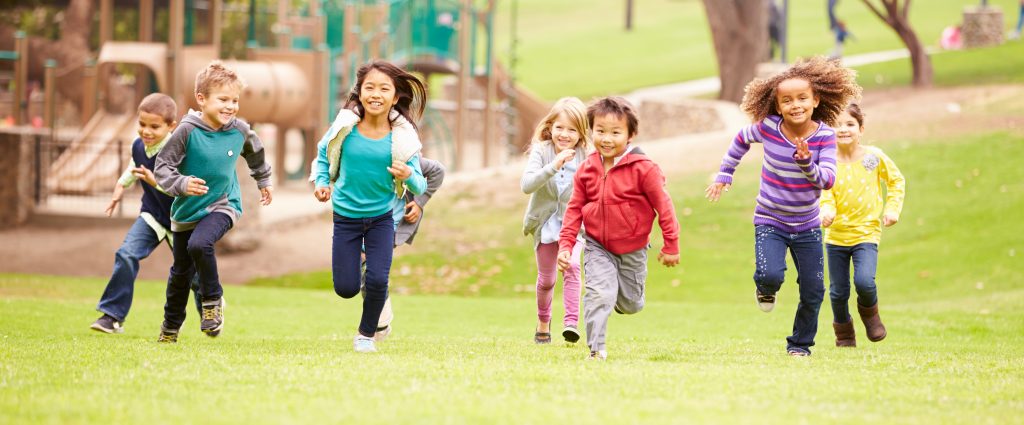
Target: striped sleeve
<point>822,174</point>
<point>739,147</point>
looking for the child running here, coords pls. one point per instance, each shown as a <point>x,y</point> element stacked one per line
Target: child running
<point>367,158</point>
<point>157,118</point>
<point>853,213</point>
<point>198,167</point>
<point>616,194</point>
<point>558,148</point>
<point>791,111</point>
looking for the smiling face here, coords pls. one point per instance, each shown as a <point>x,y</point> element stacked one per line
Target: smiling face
<point>153,128</point>
<point>220,105</point>
<point>377,93</point>
<point>564,133</point>
<point>848,130</point>
<point>611,135</point>
<point>795,100</point>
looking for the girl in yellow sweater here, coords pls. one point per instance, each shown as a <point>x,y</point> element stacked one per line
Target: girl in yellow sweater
<point>853,213</point>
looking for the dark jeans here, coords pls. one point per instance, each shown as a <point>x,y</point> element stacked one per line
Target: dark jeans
<point>140,241</point>
<point>865,263</point>
<point>193,252</point>
<point>770,245</point>
<point>377,234</point>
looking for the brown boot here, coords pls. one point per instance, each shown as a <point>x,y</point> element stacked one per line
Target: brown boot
<point>845,335</point>
<point>872,322</point>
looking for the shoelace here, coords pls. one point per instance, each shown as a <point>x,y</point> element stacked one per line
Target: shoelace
<point>167,337</point>
<point>211,313</point>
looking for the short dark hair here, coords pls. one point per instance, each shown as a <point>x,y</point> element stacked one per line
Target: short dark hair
<point>160,104</point>
<point>854,110</point>
<point>617,106</point>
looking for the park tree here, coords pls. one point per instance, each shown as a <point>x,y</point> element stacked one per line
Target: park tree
<point>896,16</point>
<point>739,30</point>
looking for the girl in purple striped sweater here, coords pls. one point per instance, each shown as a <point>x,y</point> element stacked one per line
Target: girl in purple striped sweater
<point>792,112</point>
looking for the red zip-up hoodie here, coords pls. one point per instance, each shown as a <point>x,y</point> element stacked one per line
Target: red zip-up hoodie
<point>617,208</point>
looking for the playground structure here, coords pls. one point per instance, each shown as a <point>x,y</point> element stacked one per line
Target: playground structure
<point>300,84</point>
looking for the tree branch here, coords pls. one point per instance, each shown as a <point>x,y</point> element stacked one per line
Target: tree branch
<point>875,10</point>
<point>906,10</point>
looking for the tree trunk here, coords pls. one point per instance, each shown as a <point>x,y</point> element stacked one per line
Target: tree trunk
<point>740,34</point>
<point>919,60</point>
<point>897,18</point>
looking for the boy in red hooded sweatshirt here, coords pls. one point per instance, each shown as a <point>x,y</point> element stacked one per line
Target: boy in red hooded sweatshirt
<point>616,193</point>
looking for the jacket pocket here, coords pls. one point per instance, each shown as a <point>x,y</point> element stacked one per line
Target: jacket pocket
<point>622,221</point>
<point>530,224</point>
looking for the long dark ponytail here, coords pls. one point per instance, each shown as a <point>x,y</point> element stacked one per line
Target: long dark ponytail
<point>410,92</point>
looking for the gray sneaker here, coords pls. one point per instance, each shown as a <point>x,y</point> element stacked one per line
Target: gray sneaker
<point>107,324</point>
<point>213,317</point>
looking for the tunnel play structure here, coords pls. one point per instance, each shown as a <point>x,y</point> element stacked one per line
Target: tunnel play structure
<point>301,83</point>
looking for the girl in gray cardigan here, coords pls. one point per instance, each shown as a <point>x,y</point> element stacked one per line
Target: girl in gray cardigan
<point>558,148</point>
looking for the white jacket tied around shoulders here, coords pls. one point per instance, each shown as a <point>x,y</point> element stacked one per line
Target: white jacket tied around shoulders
<point>405,143</point>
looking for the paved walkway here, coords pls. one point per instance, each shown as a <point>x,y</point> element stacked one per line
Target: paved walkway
<point>294,202</point>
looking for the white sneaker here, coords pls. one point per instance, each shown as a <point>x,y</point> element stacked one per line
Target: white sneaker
<point>364,344</point>
<point>598,355</point>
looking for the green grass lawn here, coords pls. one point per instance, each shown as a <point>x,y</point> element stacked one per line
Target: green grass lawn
<point>564,49</point>
<point>951,294</point>
<point>992,65</point>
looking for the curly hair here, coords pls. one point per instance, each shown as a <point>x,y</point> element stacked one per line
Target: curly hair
<point>835,87</point>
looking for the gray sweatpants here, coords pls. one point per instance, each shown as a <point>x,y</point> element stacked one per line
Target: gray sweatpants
<point>610,281</point>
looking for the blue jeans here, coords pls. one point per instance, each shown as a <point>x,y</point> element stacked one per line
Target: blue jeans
<point>865,263</point>
<point>194,253</point>
<point>377,235</point>
<point>138,244</point>
<point>770,245</point>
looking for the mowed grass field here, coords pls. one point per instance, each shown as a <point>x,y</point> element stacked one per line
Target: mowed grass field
<point>571,48</point>
<point>951,292</point>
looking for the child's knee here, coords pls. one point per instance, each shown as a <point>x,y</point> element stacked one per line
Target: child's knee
<point>630,306</point>
<point>771,278</point>
<point>864,283</point>
<point>545,283</point>
<point>196,248</point>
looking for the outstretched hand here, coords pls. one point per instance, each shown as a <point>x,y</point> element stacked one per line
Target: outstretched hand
<point>714,191</point>
<point>803,153</point>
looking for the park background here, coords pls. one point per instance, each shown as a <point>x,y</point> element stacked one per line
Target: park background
<point>949,273</point>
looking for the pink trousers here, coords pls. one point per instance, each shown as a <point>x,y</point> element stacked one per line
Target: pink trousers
<point>547,273</point>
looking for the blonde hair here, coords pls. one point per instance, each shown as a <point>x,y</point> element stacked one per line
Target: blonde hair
<point>576,111</point>
<point>216,74</point>
<point>834,85</point>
